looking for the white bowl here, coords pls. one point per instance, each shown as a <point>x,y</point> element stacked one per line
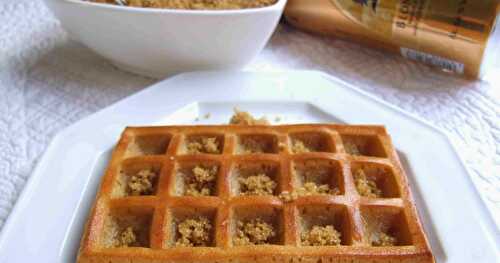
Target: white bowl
<point>161,42</point>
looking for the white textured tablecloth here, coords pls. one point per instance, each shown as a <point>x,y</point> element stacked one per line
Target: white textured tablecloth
<point>48,82</point>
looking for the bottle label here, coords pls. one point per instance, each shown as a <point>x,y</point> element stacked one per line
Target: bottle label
<point>455,19</point>
<point>377,15</point>
<point>455,32</point>
<point>446,64</point>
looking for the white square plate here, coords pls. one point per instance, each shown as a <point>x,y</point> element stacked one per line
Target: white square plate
<point>46,224</point>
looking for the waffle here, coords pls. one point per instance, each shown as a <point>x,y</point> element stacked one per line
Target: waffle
<point>291,193</point>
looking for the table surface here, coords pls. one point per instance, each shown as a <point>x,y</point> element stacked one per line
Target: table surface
<point>48,82</point>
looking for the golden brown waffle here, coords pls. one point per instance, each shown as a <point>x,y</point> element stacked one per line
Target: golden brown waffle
<point>125,226</point>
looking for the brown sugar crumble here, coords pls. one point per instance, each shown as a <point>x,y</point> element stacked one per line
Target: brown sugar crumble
<point>191,4</point>
<point>245,118</point>
<point>309,189</point>
<point>366,187</point>
<point>259,184</point>
<point>352,148</point>
<point>126,238</point>
<point>383,240</point>
<point>314,177</point>
<point>321,236</point>
<point>252,145</point>
<point>298,146</point>
<point>253,232</point>
<point>203,145</point>
<point>202,181</point>
<point>194,232</point>
<point>287,196</point>
<point>141,183</point>
<point>319,173</point>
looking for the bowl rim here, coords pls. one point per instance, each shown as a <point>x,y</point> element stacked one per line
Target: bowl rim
<point>280,4</point>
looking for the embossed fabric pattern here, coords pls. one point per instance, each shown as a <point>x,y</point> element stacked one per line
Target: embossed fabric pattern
<point>48,82</point>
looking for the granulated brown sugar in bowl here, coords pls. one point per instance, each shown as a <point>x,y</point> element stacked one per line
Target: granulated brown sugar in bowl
<point>192,4</point>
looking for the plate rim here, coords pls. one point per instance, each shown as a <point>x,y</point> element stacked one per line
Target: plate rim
<point>47,155</point>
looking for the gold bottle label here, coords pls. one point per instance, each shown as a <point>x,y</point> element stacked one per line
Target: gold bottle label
<point>452,33</point>
<point>377,15</point>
